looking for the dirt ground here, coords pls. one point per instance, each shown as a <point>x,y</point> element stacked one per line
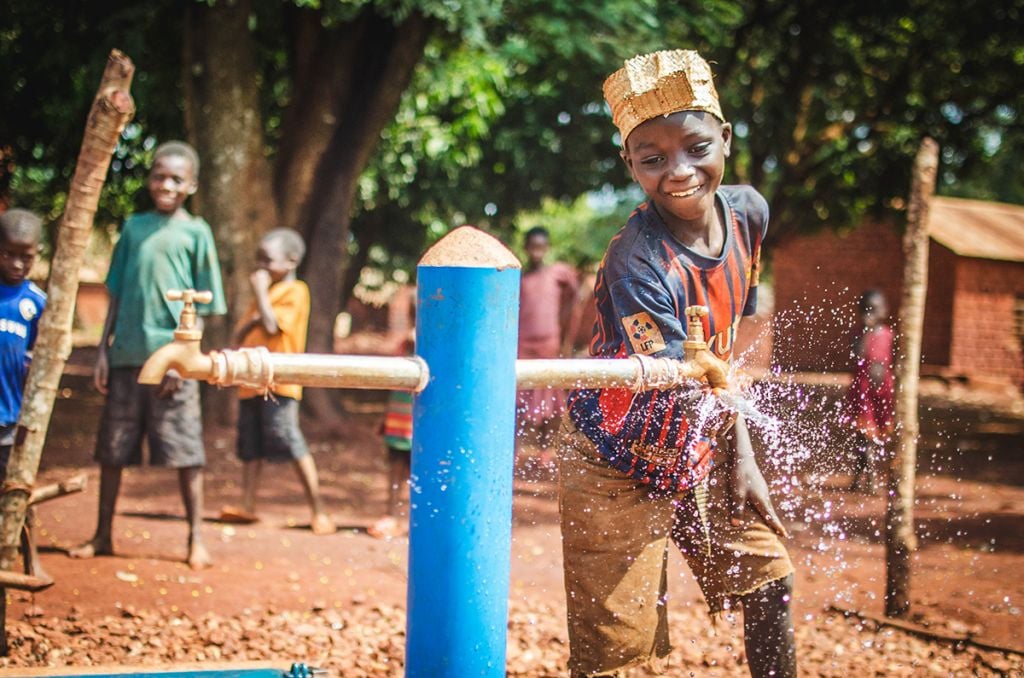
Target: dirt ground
<point>279,593</point>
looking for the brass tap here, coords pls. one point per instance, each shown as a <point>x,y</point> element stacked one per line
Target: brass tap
<point>698,360</point>
<point>186,329</point>
<point>694,331</point>
<point>183,353</point>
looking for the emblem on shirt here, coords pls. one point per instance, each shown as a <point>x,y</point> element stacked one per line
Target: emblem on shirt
<point>28,309</point>
<point>644,335</point>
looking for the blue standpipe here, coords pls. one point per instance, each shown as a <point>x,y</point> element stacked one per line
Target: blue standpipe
<point>460,537</point>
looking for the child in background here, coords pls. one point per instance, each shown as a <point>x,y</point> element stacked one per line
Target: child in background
<point>634,474</point>
<point>268,425</point>
<point>397,425</point>
<point>869,402</point>
<point>397,432</point>
<point>160,250</point>
<point>546,296</point>
<point>21,304</point>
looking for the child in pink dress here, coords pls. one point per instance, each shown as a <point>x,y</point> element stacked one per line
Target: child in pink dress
<point>869,402</point>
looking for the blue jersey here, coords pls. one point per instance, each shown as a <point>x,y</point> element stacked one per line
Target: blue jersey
<point>646,280</point>
<point>20,307</point>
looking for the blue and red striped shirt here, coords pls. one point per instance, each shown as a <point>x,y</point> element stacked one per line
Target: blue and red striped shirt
<point>646,280</point>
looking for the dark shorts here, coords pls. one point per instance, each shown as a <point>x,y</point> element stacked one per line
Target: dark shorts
<point>269,429</point>
<point>172,426</point>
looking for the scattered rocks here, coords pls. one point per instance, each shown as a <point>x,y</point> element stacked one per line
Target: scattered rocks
<point>369,640</point>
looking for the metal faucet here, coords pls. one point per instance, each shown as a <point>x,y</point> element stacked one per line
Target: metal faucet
<point>698,360</point>
<point>183,353</point>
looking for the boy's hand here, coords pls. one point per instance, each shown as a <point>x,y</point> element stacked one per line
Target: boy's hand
<point>260,279</point>
<point>101,372</point>
<point>748,484</point>
<point>170,384</point>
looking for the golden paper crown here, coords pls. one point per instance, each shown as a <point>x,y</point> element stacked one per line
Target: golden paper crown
<point>660,83</point>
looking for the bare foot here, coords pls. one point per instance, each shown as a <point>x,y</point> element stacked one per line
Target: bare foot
<point>387,528</point>
<point>322,524</point>
<point>237,515</point>
<point>198,556</point>
<point>92,548</point>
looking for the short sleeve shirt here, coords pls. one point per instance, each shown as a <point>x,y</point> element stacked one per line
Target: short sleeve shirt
<point>289,300</point>
<point>20,308</point>
<point>646,280</point>
<point>156,253</point>
<point>542,293</point>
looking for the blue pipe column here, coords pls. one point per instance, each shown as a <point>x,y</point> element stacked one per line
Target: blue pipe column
<point>460,538</point>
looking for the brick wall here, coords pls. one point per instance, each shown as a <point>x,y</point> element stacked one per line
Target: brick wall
<point>985,343</point>
<point>969,314</point>
<point>818,280</point>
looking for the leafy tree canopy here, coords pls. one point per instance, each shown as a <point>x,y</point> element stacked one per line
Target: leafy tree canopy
<point>828,102</point>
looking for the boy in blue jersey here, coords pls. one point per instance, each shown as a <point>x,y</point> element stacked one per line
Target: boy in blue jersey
<point>163,249</point>
<point>21,304</point>
<point>635,470</point>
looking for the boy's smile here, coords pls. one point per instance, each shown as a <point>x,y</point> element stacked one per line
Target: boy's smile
<point>679,160</point>
<point>171,181</point>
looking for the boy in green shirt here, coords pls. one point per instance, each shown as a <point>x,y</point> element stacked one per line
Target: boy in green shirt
<point>163,249</point>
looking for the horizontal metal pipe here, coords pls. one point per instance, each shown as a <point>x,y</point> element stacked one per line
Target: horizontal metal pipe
<point>259,368</point>
<point>350,371</point>
<point>577,373</point>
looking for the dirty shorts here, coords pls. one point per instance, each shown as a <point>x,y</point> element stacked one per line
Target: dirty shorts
<point>615,536</point>
<point>268,428</point>
<point>172,426</point>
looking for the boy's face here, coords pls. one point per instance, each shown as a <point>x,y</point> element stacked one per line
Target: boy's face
<point>171,181</point>
<point>536,249</point>
<point>273,259</point>
<point>679,160</point>
<point>17,254</point>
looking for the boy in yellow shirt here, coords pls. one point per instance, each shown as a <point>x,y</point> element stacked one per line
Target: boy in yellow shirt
<point>268,426</point>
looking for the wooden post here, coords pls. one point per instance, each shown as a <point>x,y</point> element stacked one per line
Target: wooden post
<point>111,110</point>
<point>900,540</point>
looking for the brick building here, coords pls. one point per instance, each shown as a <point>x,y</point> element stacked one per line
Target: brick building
<point>974,315</point>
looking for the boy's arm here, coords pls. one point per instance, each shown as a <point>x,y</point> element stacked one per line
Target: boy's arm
<point>260,281</point>
<point>101,371</point>
<point>748,485</point>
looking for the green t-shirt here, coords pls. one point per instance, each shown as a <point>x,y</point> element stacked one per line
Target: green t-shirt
<point>156,253</point>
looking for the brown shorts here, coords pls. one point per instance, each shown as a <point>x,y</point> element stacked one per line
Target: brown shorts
<point>172,426</point>
<point>615,536</point>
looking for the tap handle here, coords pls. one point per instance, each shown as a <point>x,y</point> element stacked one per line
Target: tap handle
<point>695,328</point>
<point>187,321</point>
<point>190,296</point>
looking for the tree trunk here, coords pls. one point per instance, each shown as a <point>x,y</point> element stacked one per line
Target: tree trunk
<point>225,125</point>
<point>382,62</point>
<point>900,540</point>
<point>111,110</point>
<point>322,72</point>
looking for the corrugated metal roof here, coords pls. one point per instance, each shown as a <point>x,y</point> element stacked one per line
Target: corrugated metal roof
<point>975,228</point>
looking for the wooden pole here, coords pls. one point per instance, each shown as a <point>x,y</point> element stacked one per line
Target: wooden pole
<point>900,540</point>
<point>111,110</point>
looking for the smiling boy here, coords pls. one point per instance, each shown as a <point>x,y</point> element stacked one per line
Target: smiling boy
<point>635,473</point>
<point>163,249</point>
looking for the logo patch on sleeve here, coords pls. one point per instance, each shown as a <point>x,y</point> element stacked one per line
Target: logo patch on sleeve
<point>644,335</point>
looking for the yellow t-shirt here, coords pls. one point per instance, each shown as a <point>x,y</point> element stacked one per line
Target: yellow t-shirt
<point>290,301</point>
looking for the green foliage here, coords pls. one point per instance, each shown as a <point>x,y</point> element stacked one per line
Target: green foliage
<point>580,229</point>
<point>53,58</point>
<point>504,122</point>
